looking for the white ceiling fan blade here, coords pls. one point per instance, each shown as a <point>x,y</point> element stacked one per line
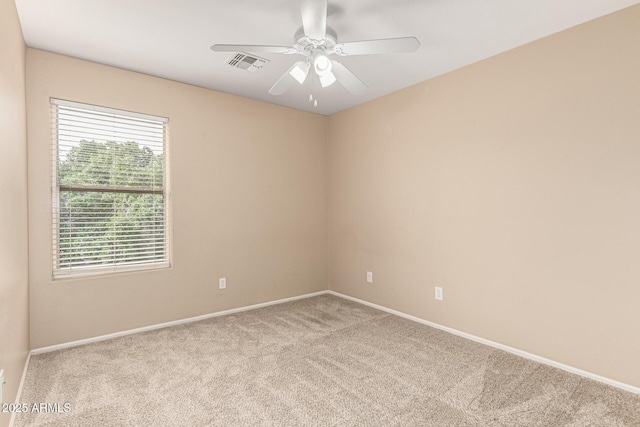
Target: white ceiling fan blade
<point>347,79</point>
<point>251,48</point>
<point>372,47</point>
<point>314,18</point>
<point>284,83</point>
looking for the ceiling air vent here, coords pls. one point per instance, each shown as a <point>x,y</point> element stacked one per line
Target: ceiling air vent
<point>248,62</point>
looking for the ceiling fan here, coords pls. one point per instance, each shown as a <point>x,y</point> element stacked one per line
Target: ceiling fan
<point>316,41</point>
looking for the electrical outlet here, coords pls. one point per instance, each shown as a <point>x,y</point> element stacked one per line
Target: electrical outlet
<point>1,382</point>
<point>439,295</point>
<point>223,283</point>
<point>369,277</point>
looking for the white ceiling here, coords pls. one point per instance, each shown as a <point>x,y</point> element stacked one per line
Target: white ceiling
<point>171,38</point>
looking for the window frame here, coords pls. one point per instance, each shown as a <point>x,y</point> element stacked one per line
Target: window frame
<point>56,188</point>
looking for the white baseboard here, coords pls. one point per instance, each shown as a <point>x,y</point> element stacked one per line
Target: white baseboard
<point>536,358</point>
<point>517,352</point>
<point>168,324</point>
<point>20,387</point>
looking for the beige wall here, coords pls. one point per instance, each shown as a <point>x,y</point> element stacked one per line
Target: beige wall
<point>514,184</point>
<point>249,203</point>
<point>14,308</point>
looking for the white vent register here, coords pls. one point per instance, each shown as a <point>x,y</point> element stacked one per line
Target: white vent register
<point>248,62</point>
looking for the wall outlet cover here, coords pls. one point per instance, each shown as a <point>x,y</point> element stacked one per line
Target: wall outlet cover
<point>222,283</point>
<point>439,295</point>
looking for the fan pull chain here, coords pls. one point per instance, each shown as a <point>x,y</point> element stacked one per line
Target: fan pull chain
<point>313,88</point>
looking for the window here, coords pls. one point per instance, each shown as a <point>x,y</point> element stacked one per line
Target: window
<point>110,192</point>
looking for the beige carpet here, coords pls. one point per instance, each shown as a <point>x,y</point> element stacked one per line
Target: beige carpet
<point>322,361</point>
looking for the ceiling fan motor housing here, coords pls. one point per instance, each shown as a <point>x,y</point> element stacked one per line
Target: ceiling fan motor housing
<point>303,43</point>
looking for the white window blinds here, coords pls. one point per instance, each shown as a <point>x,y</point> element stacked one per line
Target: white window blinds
<point>110,193</point>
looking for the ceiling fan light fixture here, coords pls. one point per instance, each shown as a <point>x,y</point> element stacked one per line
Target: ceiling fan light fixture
<point>322,65</point>
<point>327,80</point>
<point>300,72</point>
